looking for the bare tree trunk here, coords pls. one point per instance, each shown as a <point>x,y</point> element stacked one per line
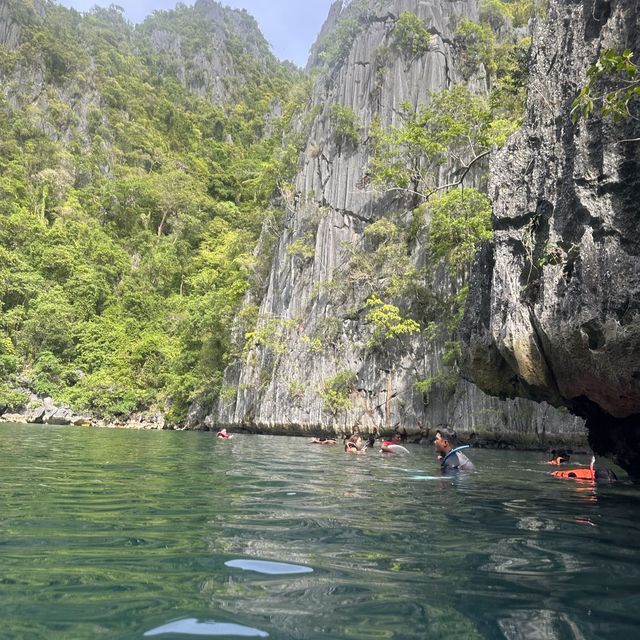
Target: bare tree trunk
<point>164,217</point>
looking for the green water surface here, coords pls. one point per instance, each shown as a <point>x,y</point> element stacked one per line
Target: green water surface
<point>123,534</point>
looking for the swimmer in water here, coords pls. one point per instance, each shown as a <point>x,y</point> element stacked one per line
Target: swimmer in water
<point>323,441</point>
<point>393,445</point>
<point>223,434</point>
<point>449,452</point>
<point>559,456</point>
<point>355,444</point>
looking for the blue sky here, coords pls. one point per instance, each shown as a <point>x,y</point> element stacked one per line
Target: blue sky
<point>290,26</point>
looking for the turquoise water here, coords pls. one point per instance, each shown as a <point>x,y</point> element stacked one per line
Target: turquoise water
<point>124,534</point>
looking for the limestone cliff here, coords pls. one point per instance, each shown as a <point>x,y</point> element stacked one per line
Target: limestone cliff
<point>314,331</point>
<point>108,164</point>
<point>216,52</point>
<point>554,310</point>
<point>215,65</point>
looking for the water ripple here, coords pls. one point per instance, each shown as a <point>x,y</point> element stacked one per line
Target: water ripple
<point>110,533</point>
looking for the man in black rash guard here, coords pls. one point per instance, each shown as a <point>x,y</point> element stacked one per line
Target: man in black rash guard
<point>449,454</point>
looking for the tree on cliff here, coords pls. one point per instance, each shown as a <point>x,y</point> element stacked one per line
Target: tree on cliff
<point>452,135</point>
<point>613,87</point>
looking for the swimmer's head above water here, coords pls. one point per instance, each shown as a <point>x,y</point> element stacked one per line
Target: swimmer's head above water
<point>449,449</point>
<point>445,440</point>
<point>559,456</point>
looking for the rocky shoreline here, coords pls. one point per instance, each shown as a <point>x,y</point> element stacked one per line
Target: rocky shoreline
<point>45,411</point>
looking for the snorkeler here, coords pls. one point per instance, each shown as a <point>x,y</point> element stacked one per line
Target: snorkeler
<point>559,456</point>
<point>446,442</point>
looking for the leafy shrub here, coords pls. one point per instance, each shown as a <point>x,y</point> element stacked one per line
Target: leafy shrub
<point>304,246</point>
<point>295,389</point>
<point>11,399</point>
<point>476,43</point>
<point>337,389</point>
<point>8,358</point>
<point>410,35</point>
<point>460,220</point>
<point>381,230</point>
<point>613,84</point>
<point>518,12</point>
<point>387,322</point>
<point>345,125</point>
<point>47,375</point>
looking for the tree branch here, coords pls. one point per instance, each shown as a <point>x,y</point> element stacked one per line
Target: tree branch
<point>466,170</point>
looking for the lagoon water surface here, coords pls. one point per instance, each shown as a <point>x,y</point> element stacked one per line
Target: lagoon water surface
<point>123,534</point>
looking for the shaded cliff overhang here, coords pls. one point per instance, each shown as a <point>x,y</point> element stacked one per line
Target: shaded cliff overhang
<point>554,308</point>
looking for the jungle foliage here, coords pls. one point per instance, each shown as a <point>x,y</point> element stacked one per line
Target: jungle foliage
<point>131,198</point>
<point>139,165</point>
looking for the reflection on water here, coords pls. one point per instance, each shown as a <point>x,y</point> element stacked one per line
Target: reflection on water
<point>121,534</point>
<point>271,568</point>
<point>539,625</point>
<point>192,627</point>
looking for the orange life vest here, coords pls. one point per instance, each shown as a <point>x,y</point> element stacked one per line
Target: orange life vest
<point>575,474</point>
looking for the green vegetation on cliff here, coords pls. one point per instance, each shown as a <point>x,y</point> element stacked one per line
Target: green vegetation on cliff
<point>133,189</point>
<point>613,87</point>
<point>452,134</point>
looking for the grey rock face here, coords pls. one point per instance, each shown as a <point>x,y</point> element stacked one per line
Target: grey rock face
<point>554,310</point>
<point>45,411</point>
<point>9,30</point>
<point>308,334</point>
<point>211,71</point>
